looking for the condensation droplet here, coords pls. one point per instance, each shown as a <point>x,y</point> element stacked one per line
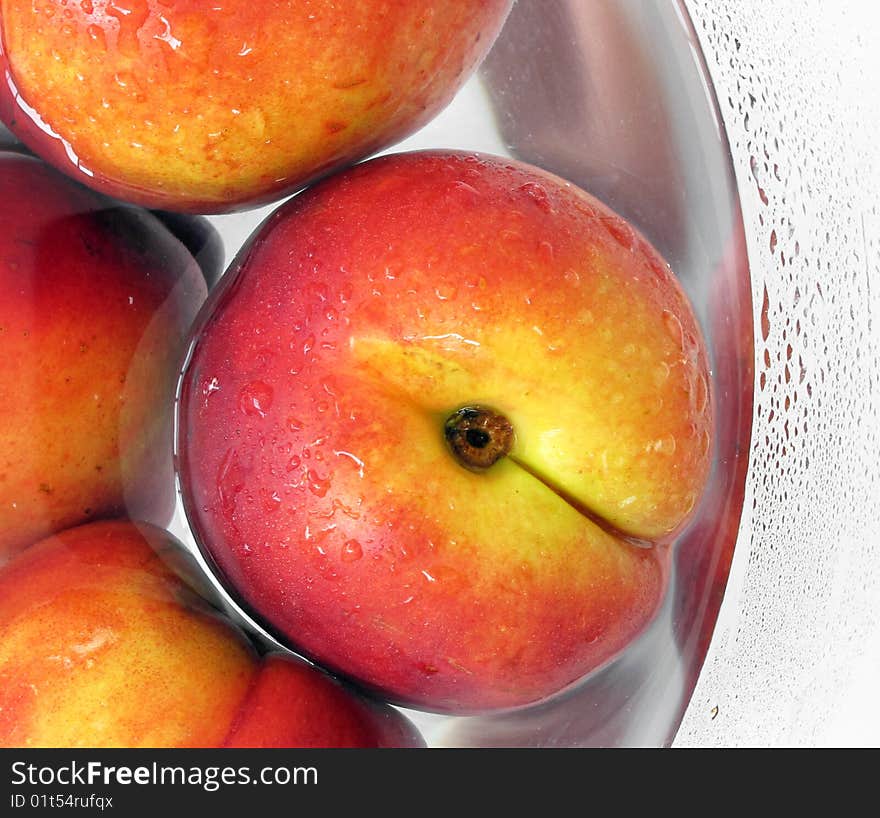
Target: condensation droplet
<point>765,315</point>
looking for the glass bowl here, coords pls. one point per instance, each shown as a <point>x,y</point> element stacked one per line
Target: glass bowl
<point>740,139</point>
<point>615,97</point>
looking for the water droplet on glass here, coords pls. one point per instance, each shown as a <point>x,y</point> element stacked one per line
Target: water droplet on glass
<point>765,315</point>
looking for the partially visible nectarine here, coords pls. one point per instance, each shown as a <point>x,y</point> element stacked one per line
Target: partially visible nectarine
<point>96,299</point>
<point>102,645</point>
<point>208,108</point>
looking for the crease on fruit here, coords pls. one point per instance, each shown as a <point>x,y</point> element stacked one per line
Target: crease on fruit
<point>414,383</point>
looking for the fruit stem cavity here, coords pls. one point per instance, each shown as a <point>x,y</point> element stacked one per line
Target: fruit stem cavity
<point>478,436</point>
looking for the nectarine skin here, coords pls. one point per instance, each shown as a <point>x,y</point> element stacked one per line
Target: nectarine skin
<point>102,645</point>
<point>209,108</point>
<point>313,462</point>
<point>95,303</point>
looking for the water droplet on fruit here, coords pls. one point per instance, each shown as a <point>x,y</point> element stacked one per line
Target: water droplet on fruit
<point>664,445</point>
<point>352,551</point>
<point>620,231</point>
<point>661,271</point>
<point>256,398</point>
<point>538,195</point>
<point>705,442</point>
<point>673,327</point>
<point>318,485</point>
<point>230,480</point>
<point>464,190</point>
<point>349,512</point>
<point>293,463</point>
<point>131,14</point>
<point>690,500</point>
<point>701,393</point>
<point>445,292</point>
<point>661,373</point>
<point>97,36</point>
<point>271,502</point>
<point>127,80</point>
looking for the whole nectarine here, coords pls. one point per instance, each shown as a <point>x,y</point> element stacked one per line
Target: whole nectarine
<point>440,425</point>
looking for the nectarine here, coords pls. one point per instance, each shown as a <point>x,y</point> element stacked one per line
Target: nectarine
<point>213,107</point>
<point>440,424</point>
<point>95,301</point>
<point>102,645</point>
